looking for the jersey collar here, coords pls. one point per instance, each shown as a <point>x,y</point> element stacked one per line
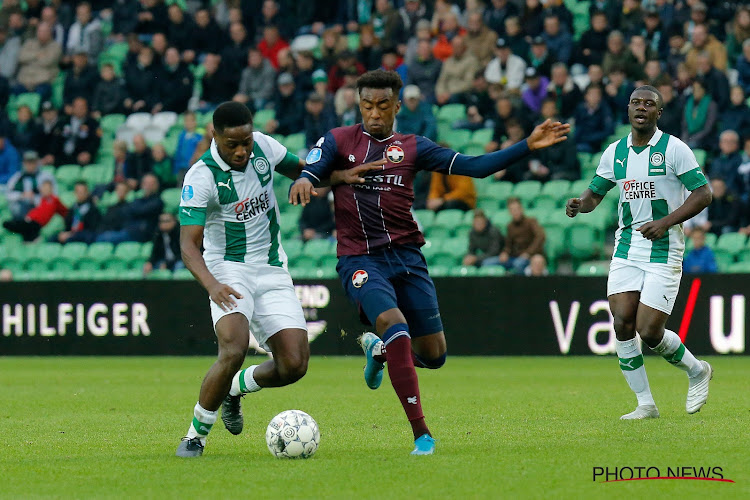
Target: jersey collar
<point>215,155</point>
<point>651,142</point>
<point>375,138</point>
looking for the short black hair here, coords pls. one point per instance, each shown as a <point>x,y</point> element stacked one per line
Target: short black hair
<point>651,88</point>
<point>380,79</point>
<point>231,114</point>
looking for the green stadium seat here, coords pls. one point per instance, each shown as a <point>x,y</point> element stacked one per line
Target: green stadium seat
<point>444,259</point>
<point>700,156</point>
<point>110,123</point>
<point>160,274</point>
<point>458,139</point>
<point>584,159</point>
<point>328,262</point>
<point>182,274</point>
<point>455,246</point>
<point>292,248</point>
<point>116,264</point>
<point>499,191</point>
<point>583,242</point>
<point>430,249</point>
<point>146,249</point>
<point>425,218</point>
<point>554,242</point>
<point>473,150</point>
<point>449,218</point>
<point>594,268</point>
<point>451,113</point>
<point>67,175</point>
<point>731,242</point>
<point>546,204</point>
<point>724,259</point>
<point>128,251</point>
<point>437,232</point>
<point>439,271</point>
<point>86,264</point>
<point>262,117</point>
<point>13,265</point>
<point>444,131</point>
<point>100,251</point>
<point>303,261</point>
<point>36,264</point>
<point>60,264</point>
<point>317,248</point>
<point>295,142</point>
<point>96,174</point>
<point>462,232</point>
<point>492,271</point>
<point>48,251</point>
<point>527,191</point>
<point>74,250</point>
<point>556,190</point>
<point>482,136</point>
<point>622,130</point>
<point>739,267</point>
<point>488,204</point>
<point>171,199</point>
<point>463,271</point>
<point>500,220</point>
<point>578,187</point>
<point>742,256</point>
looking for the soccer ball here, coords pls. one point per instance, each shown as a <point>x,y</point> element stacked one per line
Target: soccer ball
<point>292,434</point>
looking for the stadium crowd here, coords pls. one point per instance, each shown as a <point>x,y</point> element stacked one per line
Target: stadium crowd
<point>489,70</point>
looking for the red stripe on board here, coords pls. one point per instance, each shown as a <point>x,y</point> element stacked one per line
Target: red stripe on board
<point>689,308</point>
<point>690,478</point>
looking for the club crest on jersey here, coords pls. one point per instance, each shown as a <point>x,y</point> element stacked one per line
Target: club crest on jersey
<point>187,193</point>
<point>314,155</point>
<point>261,165</point>
<point>359,278</point>
<point>657,159</point>
<point>395,154</point>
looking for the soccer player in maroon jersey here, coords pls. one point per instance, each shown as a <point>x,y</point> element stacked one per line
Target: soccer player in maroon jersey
<point>380,263</point>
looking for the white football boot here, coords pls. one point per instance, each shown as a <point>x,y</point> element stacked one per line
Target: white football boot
<point>641,413</point>
<point>698,389</point>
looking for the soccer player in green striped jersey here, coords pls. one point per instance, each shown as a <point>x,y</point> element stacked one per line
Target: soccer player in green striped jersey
<point>651,170</point>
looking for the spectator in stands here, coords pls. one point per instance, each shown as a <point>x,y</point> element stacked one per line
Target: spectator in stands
<point>234,54</point>
<point>652,74</point>
<point>78,136</point>
<point>317,120</point>
<point>703,41</point>
<point>316,219</point>
<point>218,85</point>
<point>109,93</point>
<point>677,49</point>
<point>38,63</point>
<point>595,75</point>
<point>743,179</point>
<point>559,41</point>
<point>451,192</point>
<point>345,61</point>
<point>593,43</point>
<point>506,68</point>
<point>700,259</point>
<point>410,14</point>
<point>85,35</point>
<point>521,169</point>
<point>369,51</point>
<point>618,90</point>
<point>537,266</point>
<point>347,109</point>
<point>670,121</point>
<point>480,40</point>
<point>535,90</point>
<point>175,84</point>
<point>415,116</point>
<point>114,218</point>
<point>332,45</point>
<point>152,17</point>
<point>524,238</point>
<point>82,218</point>
<point>165,252</point>
<point>272,44</point>
<point>738,32</point>
<point>10,47</point>
<point>654,31</point>
<point>593,120</point>
<point>516,38</point>
<point>619,56</point>
<point>141,82</point>
<point>641,54</point>
<point>699,120</point>
<point>743,67</point>
<point>540,57</point>
<point>450,28</point>
<point>725,165</point>
<point>186,143</point>
<point>737,115</point>
<point>506,113</point>
<point>47,133</point>
<point>81,79</point>
<point>717,84</point>
<point>141,215</point>
<point>204,143</point>
<point>388,25</point>
<point>25,131</point>
<point>558,161</point>
<point>479,105</point>
<point>206,37</point>
<point>32,222</point>
<point>289,108</point>
<point>532,19</point>
<point>391,61</point>
<point>305,63</point>
<point>496,13</point>
<point>161,166</point>
<point>139,162</point>
<point>424,71</point>
<point>724,210</point>
<point>180,29</point>
<point>564,90</point>
<point>485,241</point>
<point>124,20</point>
<point>22,191</point>
<point>457,73</point>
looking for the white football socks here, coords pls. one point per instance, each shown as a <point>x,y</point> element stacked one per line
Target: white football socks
<point>674,351</point>
<point>203,420</point>
<point>631,364</point>
<point>243,382</point>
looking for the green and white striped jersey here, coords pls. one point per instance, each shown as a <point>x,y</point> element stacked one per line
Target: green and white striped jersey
<point>238,209</point>
<point>652,181</point>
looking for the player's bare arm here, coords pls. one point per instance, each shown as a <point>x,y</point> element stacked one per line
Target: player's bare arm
<point>694,204</point>
<point>302,188</point>
<point>548,134</point>
<point>584,204</point>
<point>190,247</point>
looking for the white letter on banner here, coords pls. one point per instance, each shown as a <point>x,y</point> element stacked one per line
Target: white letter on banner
<point>97,326</point>
<point>735,341</point>
<point>602,326</point>
<point>14,319</point>
<point>44,329</point>
<point>138,323</point>
<point>119,319</point>
<point>64,318</point>
<point>564,336</point>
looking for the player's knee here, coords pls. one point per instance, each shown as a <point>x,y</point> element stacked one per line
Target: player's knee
<point>651,334</point>
<point>292,368</point>
<point>624,328</point>
<point>434,363</point>
<point>232,356</point>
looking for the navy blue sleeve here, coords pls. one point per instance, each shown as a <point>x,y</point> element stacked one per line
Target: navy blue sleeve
<point>320,160</point>
<point>432,157</point>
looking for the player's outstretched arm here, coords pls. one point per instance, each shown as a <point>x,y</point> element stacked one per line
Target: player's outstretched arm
<point>191,237</point>
<point>586,203</point>
<point>695,203</point>
<point>303,188</point>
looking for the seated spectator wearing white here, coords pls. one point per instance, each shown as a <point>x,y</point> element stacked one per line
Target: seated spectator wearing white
<point>415,116</point>
<point>165,253</point>
<point>506,68</point>
<point>85,35</point>
<point>485,240</point>
<point>524,238</point>
<point>30,224</point>
<point>537,266</point>
<point>82,218</point>
<point>593,120</point>
<point>700,259</point>
<point>186,143</point>
<point>257,81</point>
<point>141,215</point>
<point>22,191</point>
<point>316,220</point>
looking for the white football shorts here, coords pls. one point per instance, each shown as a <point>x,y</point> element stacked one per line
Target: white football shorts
<point>658,284</point>
<point>268,301</point>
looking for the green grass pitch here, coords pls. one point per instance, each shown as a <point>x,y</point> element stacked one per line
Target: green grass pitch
<point>506,428</point>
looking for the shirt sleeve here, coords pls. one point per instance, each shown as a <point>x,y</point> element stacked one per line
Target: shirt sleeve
<point>320,160</point>
<point>686,167</point>
<point>281,159</point>
<point>604,179</point>
<point>197,190</point>
<point>432,157</point>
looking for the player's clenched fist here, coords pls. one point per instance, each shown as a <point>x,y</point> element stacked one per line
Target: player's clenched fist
<point>224,296</point>
<point>301,191</point>
<point>573,207</point>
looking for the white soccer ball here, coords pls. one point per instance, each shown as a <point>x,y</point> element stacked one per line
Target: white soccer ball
<point>292,434</point>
